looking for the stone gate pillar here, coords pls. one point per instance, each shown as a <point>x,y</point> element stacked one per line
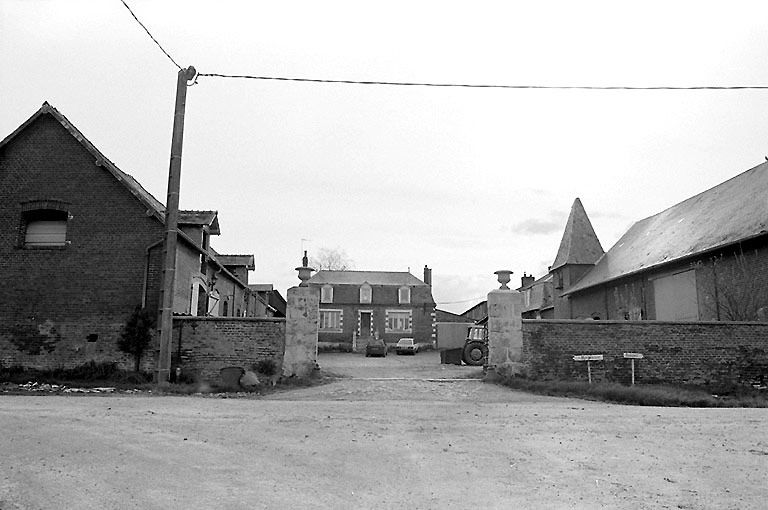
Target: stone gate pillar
<point>301,322</point>
<point>505,330</point>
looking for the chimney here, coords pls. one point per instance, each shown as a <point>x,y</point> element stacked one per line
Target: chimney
<point>427,275</point>
<point>526,280</point>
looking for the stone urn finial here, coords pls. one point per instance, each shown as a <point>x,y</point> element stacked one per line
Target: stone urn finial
<point>305,272</point>
<point>503,275</point>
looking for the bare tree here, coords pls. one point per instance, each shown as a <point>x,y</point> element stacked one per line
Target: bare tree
<point>329,259</point>
<point>737,287</point>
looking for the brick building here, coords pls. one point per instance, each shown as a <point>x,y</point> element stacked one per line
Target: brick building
<point>81,247</point>
<point>703,259</point>
<point>362,303</point>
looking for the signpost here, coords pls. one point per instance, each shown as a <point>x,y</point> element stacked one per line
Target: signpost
<point>588,358</point>
<point>632,356</point>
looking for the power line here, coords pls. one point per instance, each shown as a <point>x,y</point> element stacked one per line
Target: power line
<point>481,298</point>
<point>486,86</point>
<point>150,35</point>
<point>450,85</point>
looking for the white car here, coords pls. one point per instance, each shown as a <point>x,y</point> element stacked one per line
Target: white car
<point>406,346</point>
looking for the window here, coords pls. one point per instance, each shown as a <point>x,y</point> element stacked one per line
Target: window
<point>365,293</point>
<point>330,320</point>
<point>404,295</point>
<point>44,228</point>
<point>326,294</point>
<point>399,321</point>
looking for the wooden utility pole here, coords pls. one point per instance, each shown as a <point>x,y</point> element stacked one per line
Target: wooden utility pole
<point>162,376</point>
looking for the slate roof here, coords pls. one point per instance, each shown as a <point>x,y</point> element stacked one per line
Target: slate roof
<point>238,260</point>
<point>579,244</point>
<point>202,218</point>
<point>733,211</point>
<point>370,277</point>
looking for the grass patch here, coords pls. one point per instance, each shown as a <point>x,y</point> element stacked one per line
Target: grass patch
<point>645,394</point>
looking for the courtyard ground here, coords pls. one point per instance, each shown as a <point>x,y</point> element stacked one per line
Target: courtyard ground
<point>395,432</point>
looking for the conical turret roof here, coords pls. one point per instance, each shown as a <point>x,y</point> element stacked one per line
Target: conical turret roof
<point>580,244</point>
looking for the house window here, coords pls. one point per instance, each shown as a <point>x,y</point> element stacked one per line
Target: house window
<point>225,308</point>
<point>399,321</point>
<point>330,320</point>
<point>404,295</point>
<point>326,294</point>
<point>44,228</point>
<point>365,293</point>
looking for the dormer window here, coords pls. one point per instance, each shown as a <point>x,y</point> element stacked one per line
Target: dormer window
<point>365,293</point>
<point>404,295</point>
<point>326,294</point>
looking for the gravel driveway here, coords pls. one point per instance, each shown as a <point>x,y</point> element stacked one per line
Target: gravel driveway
<point>398,432</point>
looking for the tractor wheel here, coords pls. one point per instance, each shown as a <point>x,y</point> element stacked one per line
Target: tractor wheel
<point>475,353</point>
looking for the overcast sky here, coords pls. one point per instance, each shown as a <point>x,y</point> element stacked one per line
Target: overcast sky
<point>467,181</point>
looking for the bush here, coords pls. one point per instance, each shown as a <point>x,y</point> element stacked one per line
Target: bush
<point>266,367</point>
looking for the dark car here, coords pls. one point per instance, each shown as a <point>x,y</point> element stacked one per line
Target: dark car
<point>406,346</point>
<point>376,348</point>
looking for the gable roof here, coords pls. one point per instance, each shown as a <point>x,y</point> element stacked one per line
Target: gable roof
<point>579,244</point>
<point>153,205</point>
<point>733,211</point>
<point>370,277</point>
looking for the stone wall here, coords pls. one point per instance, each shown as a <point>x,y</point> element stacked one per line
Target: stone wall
<point>202,346</point>
<point>673,352</point>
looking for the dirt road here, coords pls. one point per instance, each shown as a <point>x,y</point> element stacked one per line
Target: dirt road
<point>396,434</point>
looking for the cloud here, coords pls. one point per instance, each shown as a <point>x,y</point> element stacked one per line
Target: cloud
<point>536,227</point>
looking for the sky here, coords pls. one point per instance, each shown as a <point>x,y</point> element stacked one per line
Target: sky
<point>464,180</point>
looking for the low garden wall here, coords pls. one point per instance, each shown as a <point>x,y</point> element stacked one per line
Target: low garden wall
<point>673,352</point>
<point>204,345</point>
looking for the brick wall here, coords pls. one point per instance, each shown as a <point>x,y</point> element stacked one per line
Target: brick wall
<point>54,298</point>
<point>204,345</point>
<point>690,352</point>
<point>48,344</point>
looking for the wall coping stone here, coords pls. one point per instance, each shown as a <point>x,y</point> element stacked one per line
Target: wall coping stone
<point>645,322</point>
<point>223,319</point>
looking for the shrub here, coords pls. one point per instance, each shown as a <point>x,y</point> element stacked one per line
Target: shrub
<point>266,367</point>
<point>137,335</point>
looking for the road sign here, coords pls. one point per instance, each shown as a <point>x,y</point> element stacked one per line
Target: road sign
<point>633,355</point>
<point>588,357</point>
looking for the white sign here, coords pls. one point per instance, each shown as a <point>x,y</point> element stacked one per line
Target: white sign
<point>633,355</point>
<point>588,357</point>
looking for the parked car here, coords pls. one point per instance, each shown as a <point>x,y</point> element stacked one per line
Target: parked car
<point>376,347</point>
<point>406,346</point>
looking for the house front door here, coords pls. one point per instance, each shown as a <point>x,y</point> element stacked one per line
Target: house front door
<point>365,324</point>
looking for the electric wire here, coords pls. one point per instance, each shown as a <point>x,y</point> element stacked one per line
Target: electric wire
<point>446,85</point>
<point>481,298</point>
<point>150,35</point>
<point>489,86</point>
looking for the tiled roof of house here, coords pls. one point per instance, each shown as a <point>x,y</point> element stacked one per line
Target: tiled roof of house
<point>238,260</point>
<point>579,244</point>
<point>203,218</point>
<point>370,277</point>
<point>732,211</point>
